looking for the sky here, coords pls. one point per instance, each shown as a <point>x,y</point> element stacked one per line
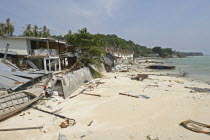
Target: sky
<point>183,25</point>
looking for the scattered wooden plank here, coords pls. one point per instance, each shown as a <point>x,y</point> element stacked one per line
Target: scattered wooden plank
<point>92,94</point>
<point>24,128</point>
<point>129,95</point>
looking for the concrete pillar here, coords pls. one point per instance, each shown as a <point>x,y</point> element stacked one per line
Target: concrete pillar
<point>63,62</point>
<point>49,65</point>
<point>5,54</point>
<point>59,63</point>
<point>45,64</point>
<point>56,65</point>
<point>48,50</point>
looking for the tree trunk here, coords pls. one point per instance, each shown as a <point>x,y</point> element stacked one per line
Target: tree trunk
<point>72,67</point>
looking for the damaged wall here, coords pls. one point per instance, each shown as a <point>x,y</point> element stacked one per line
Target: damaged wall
<point>16,45</point>
<point>72,81</point>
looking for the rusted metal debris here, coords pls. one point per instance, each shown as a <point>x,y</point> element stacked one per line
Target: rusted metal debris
<point>57,115</point>
<point>65,124</point>
<point>129,95</point>
<point>23,128</point>
<point>196,126</point>
<point>92,94</point>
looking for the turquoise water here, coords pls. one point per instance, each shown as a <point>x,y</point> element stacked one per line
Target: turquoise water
<point>198,67</point>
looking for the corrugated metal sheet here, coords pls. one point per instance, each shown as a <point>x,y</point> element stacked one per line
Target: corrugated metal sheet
<point>13,80</point>
<point>6,82</point>
<point>16,78</point>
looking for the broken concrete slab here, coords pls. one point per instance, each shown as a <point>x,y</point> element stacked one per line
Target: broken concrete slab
<point>72,81</point>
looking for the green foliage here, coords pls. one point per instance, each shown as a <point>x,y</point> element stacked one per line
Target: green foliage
<point>94,73</point>
<point>164,52</point>
<point>28,31</point>
<point>2,29</point>
<point>92,56</point>
<point>35,31</point>
<point>7,28</point>
<point>184,54</point>
<point>45,32</point>
<point>86,40</point>
<point>83,38</point>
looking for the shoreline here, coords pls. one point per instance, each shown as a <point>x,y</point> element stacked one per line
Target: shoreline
<point>193,63</point>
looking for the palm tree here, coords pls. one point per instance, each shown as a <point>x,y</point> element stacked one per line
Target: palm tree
<point>2,29</point>
<point>36,31</point>
<point>45,32</point>
<point>28,30</point>
<point>9,28</point>
<point>83,31</point>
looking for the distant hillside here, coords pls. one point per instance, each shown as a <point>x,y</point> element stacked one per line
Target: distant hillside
<point>191,53</point>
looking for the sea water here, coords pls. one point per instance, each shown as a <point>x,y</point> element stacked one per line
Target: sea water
<point>197,67</point>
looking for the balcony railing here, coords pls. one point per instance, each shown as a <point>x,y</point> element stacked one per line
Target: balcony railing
<point>52,52</point>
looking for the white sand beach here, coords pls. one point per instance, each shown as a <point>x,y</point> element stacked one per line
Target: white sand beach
<point>165,105</point>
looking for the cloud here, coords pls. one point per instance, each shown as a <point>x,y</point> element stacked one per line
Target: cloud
<point>93,14</point>
<point>109,6</point>
<point>64,15</point>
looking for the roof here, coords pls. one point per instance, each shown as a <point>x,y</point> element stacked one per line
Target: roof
<point>13,79</point>
<point>9,52</point>
<point>33,38</point>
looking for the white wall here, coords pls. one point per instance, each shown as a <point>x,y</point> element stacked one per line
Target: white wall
<point>16,45</point>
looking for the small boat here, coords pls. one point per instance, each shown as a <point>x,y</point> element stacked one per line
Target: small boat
<point>13,103</point>
<point>160,67</point>
<point>196,126</point>
<point>10,104</point>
